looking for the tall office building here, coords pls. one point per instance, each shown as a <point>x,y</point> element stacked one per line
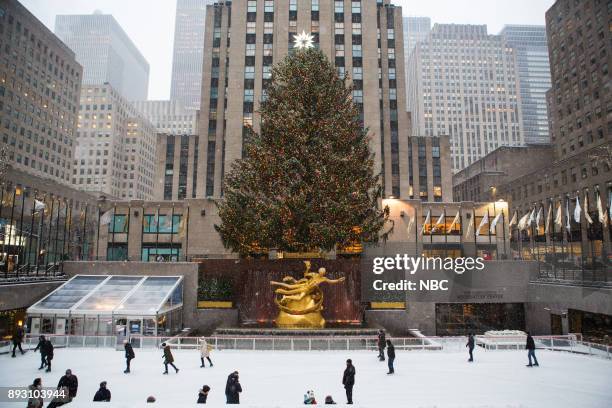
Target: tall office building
<point>106,53</point>
<point>116,146</point>
<point>415,29</point>
<point>530,45</point>
<point>40,81</point>
<point>463,82</point>
<point>188,52</point>
<point>169,117</point>
<point>362,38</point>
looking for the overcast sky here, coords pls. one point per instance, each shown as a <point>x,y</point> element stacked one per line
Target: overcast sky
<point>150,23</point>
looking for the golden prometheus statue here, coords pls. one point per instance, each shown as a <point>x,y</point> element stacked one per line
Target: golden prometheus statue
<point>300,302</point>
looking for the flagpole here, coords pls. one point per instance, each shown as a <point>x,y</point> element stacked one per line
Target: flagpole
<point>142,233</point>
<point>59,207</point>
<point>552,236</point>
<point>416,233</point>
<point>84,237</point>
<point>172,233</point>
<point>98,233</point>
<point>504,232</point>
<point>474,231</point>
<point>8,248</point>
<point>127,231</point>
<point>21,234</point>
<point>64,234</point>
<point>489,228</point>
<point>187,234</point>
<point>157,235</point>
<point>1,207</point>
<point>445,233</point>
<point>113,236</point>
<point>41,233</point>
<point>29,248</point>
<point>68,250</point>
<point>430,230</point>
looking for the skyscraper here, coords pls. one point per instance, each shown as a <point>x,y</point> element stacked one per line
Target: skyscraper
<point>188,52</point>
<point>531,49</point>
<point>415,29</point>
<point>362,38</point>
<point>463,83</point>
<point>106,53</point>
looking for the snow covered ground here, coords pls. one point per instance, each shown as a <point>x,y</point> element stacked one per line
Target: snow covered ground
<point>279,379</point>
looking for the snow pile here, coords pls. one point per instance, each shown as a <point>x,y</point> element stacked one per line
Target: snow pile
<point>505,333</point>
<point>280,379</point>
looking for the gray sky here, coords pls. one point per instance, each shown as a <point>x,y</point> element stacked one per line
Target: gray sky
<point>150,23</point>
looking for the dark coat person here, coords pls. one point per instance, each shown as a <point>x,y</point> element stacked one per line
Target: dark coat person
<point>36,401</point>
<point>48,353</point>
<point>103,394</point>
<point>168,358</point>
<point>43,354</point>
<point>530,347</point>
<point>470,345</point>
<point>203,394</point>
<point>390,356</point>
<point>348,380</point>
<point>129,355</point>
<point>233,389</point>
<point>381,344</point>
<point>17,340</point>
<point>71,382</point>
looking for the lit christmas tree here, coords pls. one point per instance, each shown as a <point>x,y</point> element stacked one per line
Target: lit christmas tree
<point>307,181</point>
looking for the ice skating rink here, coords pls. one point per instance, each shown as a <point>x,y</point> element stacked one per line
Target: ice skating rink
<point>279,379</point>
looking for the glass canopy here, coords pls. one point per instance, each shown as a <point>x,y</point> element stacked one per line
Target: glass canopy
<point>113,295</point>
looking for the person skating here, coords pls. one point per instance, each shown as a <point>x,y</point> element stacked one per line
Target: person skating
<point>129,355</point>
<point>203,395</point>
<point>168,358</point>
<point>43,355</point>
<point>329,400</point>
<point>381,344</point>
<point>205,349</point>
<point>48,347</point>
<point>348,380</point>
<point>36,401</point>
<point>103,394</point>
<point>530,346</point>
<point>470,345</point>
<point>17,340</point>
<point>71,382</point>
<point>309,398</point>
<point>233,389</point>
<point>390,356</point>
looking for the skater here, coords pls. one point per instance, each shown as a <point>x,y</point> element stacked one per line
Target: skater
<point>129,355</point>
<point>35,401</point>
<point>150,399</point>
<point>390,356</point>
<point>43,354</point>
<point>530,346</point>
<point>48,347</point>
<point>381,344</point>
<point>71,382</point>
<point>309,398</point>
<point>205,352</point>
<point>203,395</point>
<point>233,389</point>
<point>17,339</point>
<point>470,346</point>
<point>61,399</point>
<point>348,380</point>
<point>329,400</point>
<point>103,394</point>
<point>168,358</point>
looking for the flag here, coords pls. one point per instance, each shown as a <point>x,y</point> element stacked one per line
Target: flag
<point>181,231</point>
<point>539,217</point>
<point>522,224</point>
<point>577,210</point>
<point>568,225</point>
<point>455,221</point>
<point>586,208</point>
<point>106,217</point>
<point>600,211</point>
<point>548,218</point>
<point>408,229</point>
<point>514,219</point>
<point>532,217</point>
<point>494,223</point>
<point>559,217</point>
<point>39,206</point>
<point>470,226</point>
<point>485,220</point>
<point>427,221</point>
<point>440,221</point>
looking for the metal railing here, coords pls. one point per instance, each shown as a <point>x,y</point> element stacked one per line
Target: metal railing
<point>32,273</point>
<point>571,343</point>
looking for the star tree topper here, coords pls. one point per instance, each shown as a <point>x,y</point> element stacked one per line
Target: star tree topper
<point>303,40</point>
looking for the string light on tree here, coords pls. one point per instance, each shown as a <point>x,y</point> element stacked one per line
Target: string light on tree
<point>303,40</point>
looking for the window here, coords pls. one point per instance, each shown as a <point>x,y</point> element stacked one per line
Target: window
<point>118,224</point>
<point>162,224</point>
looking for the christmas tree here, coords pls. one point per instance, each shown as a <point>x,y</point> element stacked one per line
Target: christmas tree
<point>306,181</point>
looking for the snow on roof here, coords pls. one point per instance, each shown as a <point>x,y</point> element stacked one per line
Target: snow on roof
<point>113,295</point>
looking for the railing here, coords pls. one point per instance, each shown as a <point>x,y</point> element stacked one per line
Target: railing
<point>569,343</point>
<point>571,274</point>
<point>31,273</point>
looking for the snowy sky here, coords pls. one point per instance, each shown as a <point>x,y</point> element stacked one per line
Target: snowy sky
<point>150,23</point>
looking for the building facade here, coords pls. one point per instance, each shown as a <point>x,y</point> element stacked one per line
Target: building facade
<point>169,117</point>
<point>106,53</point>
<point>40,83</point>
<point>116,146</point>
<point>177,167</point>
<point>530,46</point>
<point>415,29</point>
<point>188,52</point>
<point>463,82</point>
<point>363,38</point>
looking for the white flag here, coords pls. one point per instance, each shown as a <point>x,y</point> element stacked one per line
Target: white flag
<point>440,221</point>
<point>600,211</point>
<point>559,217</point>
<point>548,218</point>
<point>586,208</point>
<point>577,210</point>
<point>532,216</point>
<point>427,221</point>
<point>485,220</point>
<point>410,225</point>
<point>106,217</point>
<point>494,223</point>
<point>455,221</point>
<point>39,206</point>
<point>568,225</point>
<point>539,217</point>
<point>514,219</point>
<point>522,225</point>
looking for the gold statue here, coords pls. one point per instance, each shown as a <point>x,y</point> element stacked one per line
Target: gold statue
<point>301,301</point>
